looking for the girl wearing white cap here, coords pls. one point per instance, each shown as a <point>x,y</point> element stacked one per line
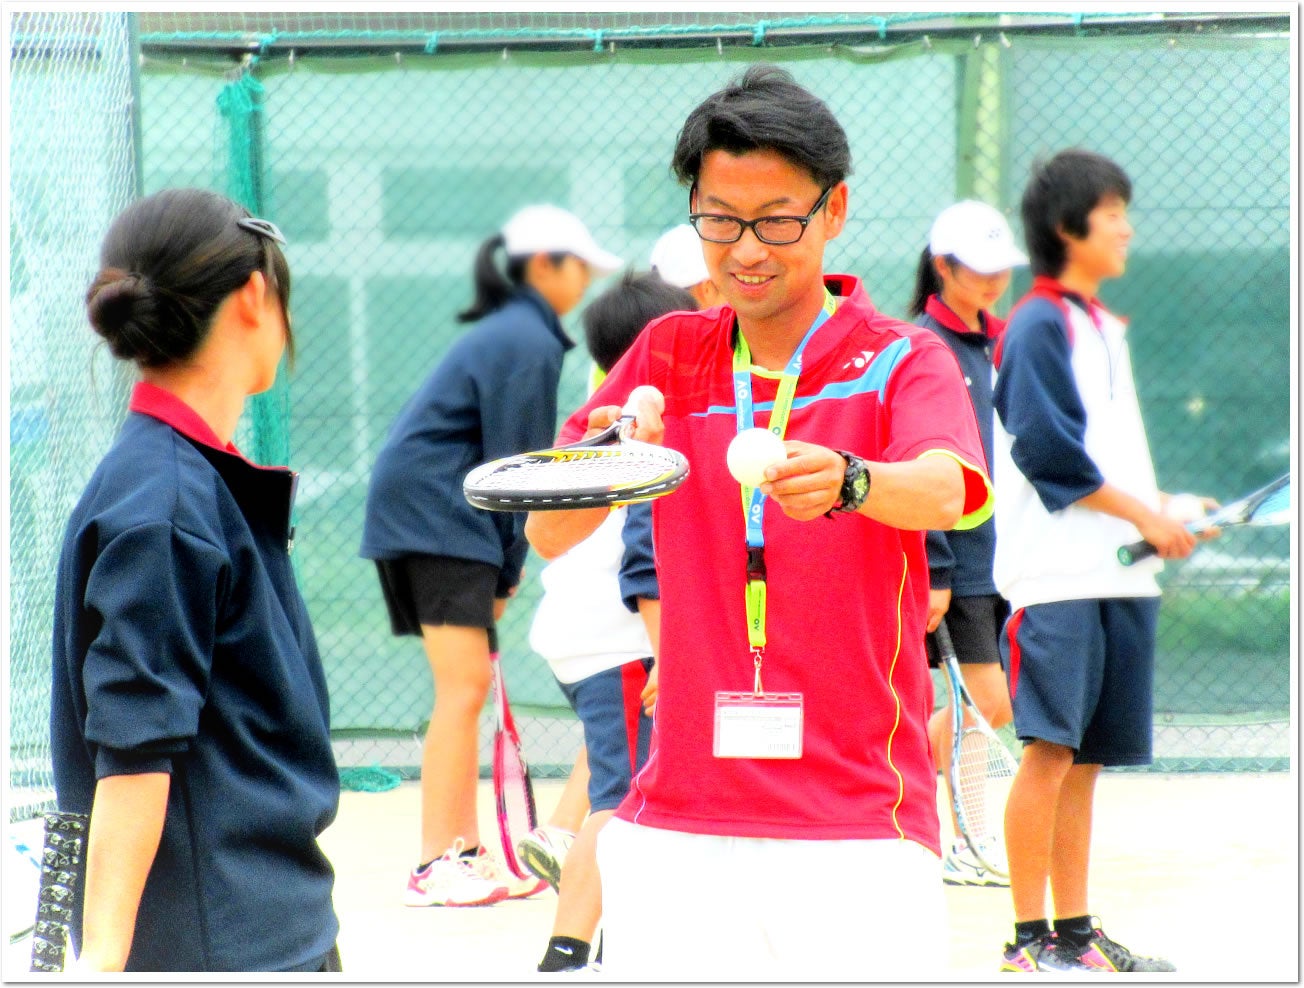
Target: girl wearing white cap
<point>963,271</point>
<point>447,569</point>
<point>677,258</point>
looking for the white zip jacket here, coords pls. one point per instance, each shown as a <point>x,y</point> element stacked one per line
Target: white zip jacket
<point>1068,420</point>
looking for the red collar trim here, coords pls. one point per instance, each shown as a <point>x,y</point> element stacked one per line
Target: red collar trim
<point>150,399</point>
<point>1045,285</point>
<point>843,285</point>
<point>946,316</point>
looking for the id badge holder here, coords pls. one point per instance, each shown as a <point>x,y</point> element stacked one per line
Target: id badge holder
<point>752,725</point>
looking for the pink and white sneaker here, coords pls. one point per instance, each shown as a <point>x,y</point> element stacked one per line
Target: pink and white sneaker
<point>452,880</point>
<point>487,866</point>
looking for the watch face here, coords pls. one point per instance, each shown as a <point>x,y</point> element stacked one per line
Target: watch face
<point>860,485</point>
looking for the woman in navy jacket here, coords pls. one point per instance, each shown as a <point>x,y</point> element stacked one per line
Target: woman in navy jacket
<point>447,569</point>
<point>189,710</point>
<point>963,272</point>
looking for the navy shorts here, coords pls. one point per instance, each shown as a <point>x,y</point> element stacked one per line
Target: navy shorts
<point>974,624</point>
<point>1081,675</point>
<point>616,730</point>
<point>439,590</point>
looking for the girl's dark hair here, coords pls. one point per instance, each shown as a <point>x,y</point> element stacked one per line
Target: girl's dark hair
<point>765,109</point>
<point>1059,195</point>
<point>927,283</point>
<point>618,315</point>
<point>494,287</point>
<point>167,262</point>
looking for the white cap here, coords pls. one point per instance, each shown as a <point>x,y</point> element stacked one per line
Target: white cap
<point>553,230</point>
<point>677,257</point>
<point>977,235</point>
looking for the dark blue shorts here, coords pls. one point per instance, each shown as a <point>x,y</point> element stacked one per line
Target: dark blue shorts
<point>974,624</point>
<point>1081,675</point>
<point>438,590</point>
<point>616,730</point>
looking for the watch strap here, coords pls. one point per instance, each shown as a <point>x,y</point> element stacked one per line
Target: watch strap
<point>855,483</point>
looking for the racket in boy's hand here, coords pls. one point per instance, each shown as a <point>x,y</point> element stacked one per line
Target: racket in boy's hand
<point>1268,505</point>
<point>63,870</point>
<point>982,768</point>
<point>513,789</point>
<point>605,469</point>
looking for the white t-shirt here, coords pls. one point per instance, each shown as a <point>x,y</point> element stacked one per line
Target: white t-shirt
<point>582,626</point>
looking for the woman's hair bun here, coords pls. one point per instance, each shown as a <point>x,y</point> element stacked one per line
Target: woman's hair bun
<point>123,310</point>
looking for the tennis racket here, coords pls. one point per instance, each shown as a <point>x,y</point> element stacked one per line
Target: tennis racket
<point>1268,505</point>
<point>63,868</point>
<point>609,468</point>
<point>982,768</point>
<point>513,790</point>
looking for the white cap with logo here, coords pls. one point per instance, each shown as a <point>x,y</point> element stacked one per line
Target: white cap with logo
<point>677,257</point>
<point>553,230</point>
<point>977,235</point>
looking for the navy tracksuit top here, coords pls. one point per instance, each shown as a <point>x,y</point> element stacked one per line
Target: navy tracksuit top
<point>962,561</point>
<point>182,645</point>
<point>494,394</point>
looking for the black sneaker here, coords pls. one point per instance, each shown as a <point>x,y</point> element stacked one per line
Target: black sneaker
<point>1111,956</point>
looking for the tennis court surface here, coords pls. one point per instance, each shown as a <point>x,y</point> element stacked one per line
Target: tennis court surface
<point>1200,868</point>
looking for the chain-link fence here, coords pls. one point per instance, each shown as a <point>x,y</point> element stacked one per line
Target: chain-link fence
<point>72,167</point>
<point>387,147</point>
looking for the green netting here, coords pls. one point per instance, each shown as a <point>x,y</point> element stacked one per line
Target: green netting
<point>386,168</point>
<point>71,170</point>
<point>436,31</point>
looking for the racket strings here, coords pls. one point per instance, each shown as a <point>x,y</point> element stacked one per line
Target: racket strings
<point>985,774</point>
<point>615,467</point>
<point>1274,509</point>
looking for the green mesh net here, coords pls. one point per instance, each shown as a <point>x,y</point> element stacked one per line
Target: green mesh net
<point>388,145</point>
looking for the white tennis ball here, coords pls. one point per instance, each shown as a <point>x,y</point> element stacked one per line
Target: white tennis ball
<point>751,451</point>
<point>1185,508</point>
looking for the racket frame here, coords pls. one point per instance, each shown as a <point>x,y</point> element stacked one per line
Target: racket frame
<point>611,440</point>
<point>962,701</point>
<point>67,836</point>
<point>507,745</point>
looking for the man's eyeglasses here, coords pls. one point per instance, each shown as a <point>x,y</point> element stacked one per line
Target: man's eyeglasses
<point>263,228</point>
<point>775,230</point>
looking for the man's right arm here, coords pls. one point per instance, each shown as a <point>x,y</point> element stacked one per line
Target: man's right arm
<point>554,532</point>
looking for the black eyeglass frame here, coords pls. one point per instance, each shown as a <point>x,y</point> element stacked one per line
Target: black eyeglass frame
<point>745,225</point>
<point>261,228</point>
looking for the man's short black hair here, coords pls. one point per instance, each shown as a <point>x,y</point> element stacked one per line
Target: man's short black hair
<point>1059,195</point>
<point>618,315</point>
<point>765,110</point>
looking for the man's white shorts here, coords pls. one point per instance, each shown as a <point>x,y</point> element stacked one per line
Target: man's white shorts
<point>697,907</point>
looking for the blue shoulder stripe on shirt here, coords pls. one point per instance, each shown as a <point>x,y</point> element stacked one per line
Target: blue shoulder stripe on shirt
<point>873,378</point>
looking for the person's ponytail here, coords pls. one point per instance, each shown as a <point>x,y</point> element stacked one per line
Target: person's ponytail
<point>492,287</point>
<point>927,283</point>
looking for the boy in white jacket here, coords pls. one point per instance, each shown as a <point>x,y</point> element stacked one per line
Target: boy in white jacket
<point>1074,481</point>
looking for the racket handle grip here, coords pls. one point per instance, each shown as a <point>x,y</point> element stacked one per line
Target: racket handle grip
<point>942,635</point>
<point>1134,553</point>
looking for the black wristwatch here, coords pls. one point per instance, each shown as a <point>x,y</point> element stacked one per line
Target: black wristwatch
<point>855,483</point>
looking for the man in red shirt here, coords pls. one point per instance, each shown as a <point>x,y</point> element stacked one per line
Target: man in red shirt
<point>785,824</point>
